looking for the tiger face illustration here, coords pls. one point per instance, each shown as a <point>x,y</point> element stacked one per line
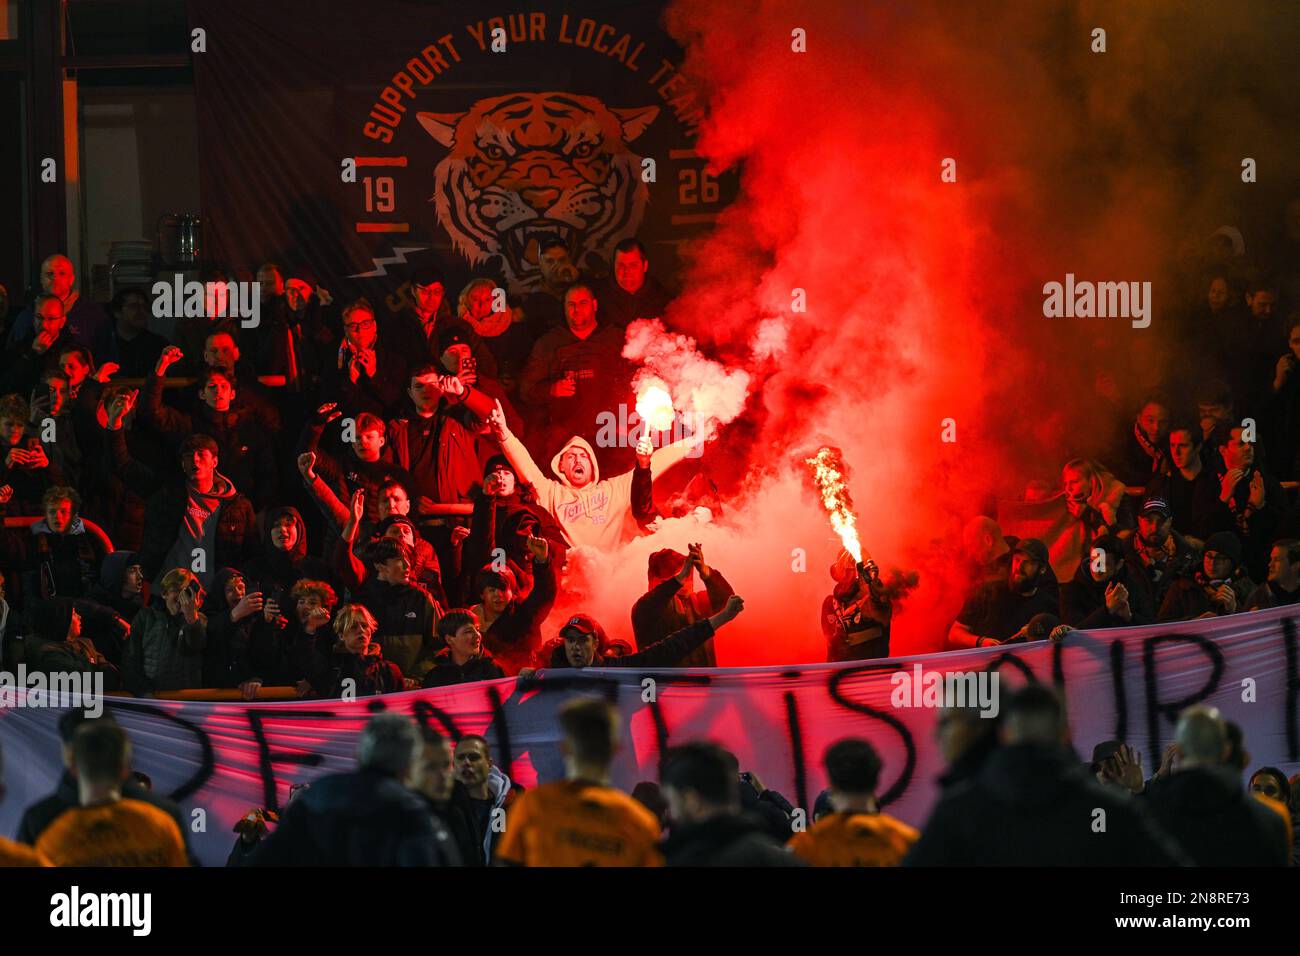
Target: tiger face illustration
<point>530,166</point>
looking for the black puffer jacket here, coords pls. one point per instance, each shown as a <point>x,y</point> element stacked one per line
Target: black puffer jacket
<point>370,674</point>
<point>1036,806</point>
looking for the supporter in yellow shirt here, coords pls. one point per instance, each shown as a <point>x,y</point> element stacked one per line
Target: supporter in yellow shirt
<point>856,833</point>
<point>582,820</point>
<point>107,830</point>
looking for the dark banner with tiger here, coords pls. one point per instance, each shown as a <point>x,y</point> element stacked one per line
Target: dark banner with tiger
<point>365,140</point>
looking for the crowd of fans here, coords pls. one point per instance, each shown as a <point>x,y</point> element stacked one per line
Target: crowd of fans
<point>338,500</point>
<point>1014,792</point>
<point>346,501</point>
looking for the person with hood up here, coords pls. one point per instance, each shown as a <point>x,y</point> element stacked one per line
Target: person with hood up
<point>284,559</point>
<point>672,604</point>
<point>204,515</point>
<point>165,649</point>
<point>354,658</point>
<point>511,624</point>
<point>585,642</point>
<point>121,584</point>
<point>58,647</point>
<point>464,659</point>
<point>594,512</point>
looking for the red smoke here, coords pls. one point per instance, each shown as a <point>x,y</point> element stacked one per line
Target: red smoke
<point>924,303</point>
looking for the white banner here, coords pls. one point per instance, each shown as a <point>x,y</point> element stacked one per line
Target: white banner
<point>218,760</point>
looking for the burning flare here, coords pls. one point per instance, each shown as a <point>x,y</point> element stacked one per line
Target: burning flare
<point>830,474</point>
<point>655,406</point>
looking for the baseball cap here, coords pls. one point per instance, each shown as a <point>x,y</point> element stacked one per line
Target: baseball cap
<point>1158,505</point>
<point>1034,548</point>
<point>580,625</point>
<point>1103,752</point>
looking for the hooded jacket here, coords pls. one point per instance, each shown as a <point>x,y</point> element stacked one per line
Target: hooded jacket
<point>226,660</point>
<point>600,513</point>
<point>230,530</point>
<point>108,590</point>
<point>1031,806</point>
<point>1216,822</point>
<point>274,568</point>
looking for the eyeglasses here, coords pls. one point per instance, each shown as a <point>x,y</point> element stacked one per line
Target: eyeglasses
<point>357,326</point>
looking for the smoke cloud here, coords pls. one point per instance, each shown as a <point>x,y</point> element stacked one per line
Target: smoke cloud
<point>877,308</point>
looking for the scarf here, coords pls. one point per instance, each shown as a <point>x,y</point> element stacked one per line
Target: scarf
<point>1157,454</point>
<point>492,325</point>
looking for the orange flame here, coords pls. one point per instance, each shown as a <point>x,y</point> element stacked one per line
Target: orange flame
<point>828,471</point>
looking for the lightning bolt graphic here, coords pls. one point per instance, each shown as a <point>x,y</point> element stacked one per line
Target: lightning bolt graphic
<point>398,258</point>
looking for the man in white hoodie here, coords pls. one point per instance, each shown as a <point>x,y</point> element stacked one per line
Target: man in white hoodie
<point>591,511</point>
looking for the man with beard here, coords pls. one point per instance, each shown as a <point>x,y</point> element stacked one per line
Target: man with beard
<point>986,550</point>
<point>1220,587</point>
<point>1283,584</point>
<point>1157,555</point>
<point>1189,489</point>
<point>1104,593</point>
<point>1144,453</point>
<point>999,612</point>
<point>1251,503</point>
<point>591,511</point>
